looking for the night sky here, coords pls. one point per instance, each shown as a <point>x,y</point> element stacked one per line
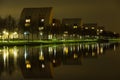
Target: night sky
<point>103,12</point>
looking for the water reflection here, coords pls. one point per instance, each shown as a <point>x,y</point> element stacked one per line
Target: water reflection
<point>40,61</point>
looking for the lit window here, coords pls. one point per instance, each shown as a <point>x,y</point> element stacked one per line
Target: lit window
<point>54,61</point>
<point>93,28</point>
<point>86,27</point>
<point>101,30</point>
<point>97,30</point>
<point>41,28</point>
<point>114,32</point>
<point>43,65</point>
<point>53,24</point>
<point>42,20</point>
<point>27,20</point>
<point>50,36</point>
<point>66,32</point>
<point>27,24</point>
<point>75,27</point>
<point>28,66</point>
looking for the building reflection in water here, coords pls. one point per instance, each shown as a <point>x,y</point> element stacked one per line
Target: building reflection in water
<point>40,61</point>
<point>34,65</point>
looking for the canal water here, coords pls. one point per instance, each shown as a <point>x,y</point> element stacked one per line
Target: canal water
<point>80,61</point>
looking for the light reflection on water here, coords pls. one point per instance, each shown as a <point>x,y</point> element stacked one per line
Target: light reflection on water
<point>38,62</point>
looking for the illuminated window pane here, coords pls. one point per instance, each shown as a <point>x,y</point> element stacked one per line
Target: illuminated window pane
<point>54,61</point>
<point>27,24</point>
<point>101,30</point>
<point>43,65</point>
<point>42,20</point>
<point>50,36</point>
<point>53,24</point>
<point>75,26</point>
<point>41,28</point>
<point>97,30</point>
<point>28,66</point>
<point>86,27</point>
<point>66,32</point>
<point>93,28</point>
<point>27,20</point>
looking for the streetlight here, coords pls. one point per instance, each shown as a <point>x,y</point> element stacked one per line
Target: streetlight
<point>5,35</point>
<point>26,34</point>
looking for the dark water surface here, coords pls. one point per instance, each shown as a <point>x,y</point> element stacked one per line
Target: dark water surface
<point>82,61</point>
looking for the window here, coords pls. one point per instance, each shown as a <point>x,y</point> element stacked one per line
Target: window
<point>53,24</point>
<point>86,27</point>
<point>27,20</point>
<point>101,31</point>
<point>93,28</point>
<point>75,27</point>
<point>27,24</point>
<point>42,20</point>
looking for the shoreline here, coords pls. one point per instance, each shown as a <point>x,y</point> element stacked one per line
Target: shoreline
<point>46,42</point>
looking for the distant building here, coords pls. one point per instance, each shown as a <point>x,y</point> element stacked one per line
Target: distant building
<point>35,20</point>
<point>72,21</point>
<point>54,29</point>
<point>92,30</point>
<point>90,26</point>
<point>71,27</point>
<point>56,22</point>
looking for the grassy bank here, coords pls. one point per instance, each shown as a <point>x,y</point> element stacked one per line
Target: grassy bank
<point>43,42</point>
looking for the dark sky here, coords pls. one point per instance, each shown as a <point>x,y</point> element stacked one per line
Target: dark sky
<point>104,12</point>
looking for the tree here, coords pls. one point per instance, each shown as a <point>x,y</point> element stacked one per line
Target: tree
<point>10,23</point>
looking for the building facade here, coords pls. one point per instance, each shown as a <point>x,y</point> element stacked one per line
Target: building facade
<point>34,21</point>
<point>92,30</point>
<point>71,27</point>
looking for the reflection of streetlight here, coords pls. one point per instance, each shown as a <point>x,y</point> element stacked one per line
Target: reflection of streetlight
<point>41,55</point>
<point>28,65</point>
<point>65,50</point>
<point>1,36</point>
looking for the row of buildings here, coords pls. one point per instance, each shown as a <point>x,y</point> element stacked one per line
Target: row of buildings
<point>38,23</point>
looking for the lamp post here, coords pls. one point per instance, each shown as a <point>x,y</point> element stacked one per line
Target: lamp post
<point>5,35</point>
<point>26,35</point>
